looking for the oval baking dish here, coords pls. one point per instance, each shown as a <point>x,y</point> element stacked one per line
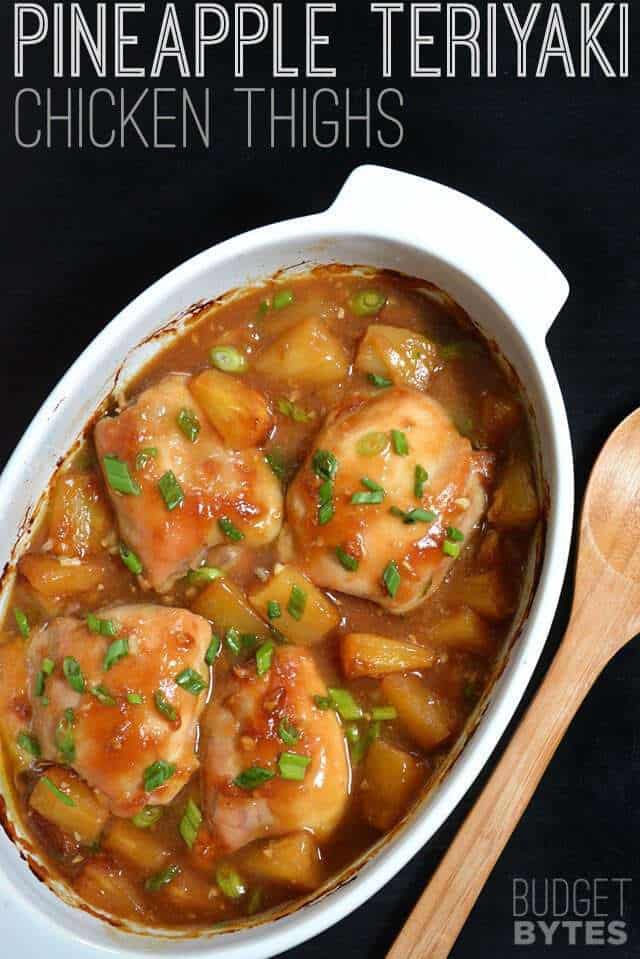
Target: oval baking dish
<point>513,293</point>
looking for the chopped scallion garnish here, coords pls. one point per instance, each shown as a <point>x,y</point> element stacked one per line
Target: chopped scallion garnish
<point>293,766</point>
<point>370,484</point>
<point>228,359</point>
<point>190,823</point>
<point>420,477</point>
<point>391,578</point>
<point>380,382</point>
<point>325,465</point>
<point>273,609</point>
<point>103,627</point>
<point>344,704</point>
<point>116,651</point>
<point>282,298</point>
<point>164,707</point>
<point>30,744</point>
<point>170,490</point>
<point>118,476</point>
<point>264,657</point>
<point>322,702</point>
<point>21,622</point>
<point>230,531</point>
<point>449,548</point>
<point>212,650</point>
<point>253,777</point>
<point>130,560</point>
<point>189,424</point>
<point>58,793</point>
<point>64,738</point>
<point>288,733</point>
<point>144,456</point>
<point>400,442</point>
<point>275,459</point>
<point>157,774</point>
<point>73,673</point>
<point>346,560</point>
<point>136,699</point>
<point>455,534</point>
<point>371,444</point>
<point>229,882</point>
<point>294,412</point>
<point>147,817</point>
<point>367,302</point>
<point>103,695</point>
<point>384,713</point>
<point>326,512</point>
<point>162,878</point>
<point>369,498</point>
<point>297,602</point>
<point>204,574</point>
<point>191,681</point>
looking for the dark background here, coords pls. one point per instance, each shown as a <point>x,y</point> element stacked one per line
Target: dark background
<point>86,230</point>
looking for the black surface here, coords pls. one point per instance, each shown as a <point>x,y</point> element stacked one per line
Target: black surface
<point>86,230</point>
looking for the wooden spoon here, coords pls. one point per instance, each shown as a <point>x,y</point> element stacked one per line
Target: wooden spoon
<point>605,615</point>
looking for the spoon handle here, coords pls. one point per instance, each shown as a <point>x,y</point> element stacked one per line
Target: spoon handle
<point>441,911</point>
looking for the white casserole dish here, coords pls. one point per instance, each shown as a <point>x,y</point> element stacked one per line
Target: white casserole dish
<point>513,292</point>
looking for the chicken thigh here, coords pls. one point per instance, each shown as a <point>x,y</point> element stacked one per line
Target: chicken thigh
<point>188,491</point>
<point>404,489</point>
<point>121,705</point>
<point>243,729</point>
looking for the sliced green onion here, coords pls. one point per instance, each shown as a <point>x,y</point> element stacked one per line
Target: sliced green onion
<point>116,651</point>
<point>233,640</point>
<point>360,744</point>
<point>103,695</point>
<point>344,704</point>
<point>297,602</point>
<point>58,793</point>
<point>73,673</point>
<point>47,665</point>
<point>249,641</point>
<point>325,464</point>
<point>282,298</point>
<point>22,622</point>
<point>325,492</point>
<point>29,744</point>
<point>294,412</point>
<point>130,560</point>
<point>38,685</point>
<point>164,707</point>
<point>136,699</point>
<point>273,609</point>
<point>293,766</point>
<point>253,777</point>
<point>162,878</point>
<point>64,738</point>
<point>157,774</point>
<point>347,561</point>
<point>228,359</point>
<point>381,382</point>
<point>371,485</point>
<point>391,578</point>
<point>118,476</point>
<point>212,650</point>
<point>352,733</point>
<point>170,490</point>
<point>326,512</point>
<point>263,307</point>
<point>191,681</point>
<point>420,477</point>
<point>264,657</point>
<point>190,823</point>
<point>369,498</point>
<point>384,713</point>
<point>400,443</point>
<point>204,574</point>
<point>455,534</point>
<point>367,302</point>
<point>143,457</point>
<point>147,817</point>
<point>276,461</point>
<point>371,444</point>
<point>230,531</point>
<point>419,515</point>
<point>229,882</point>
<point>288,733</point>
<point>449,548</point>
<point>322,702</point>
<point>103,627</point>
<point>255,902</point>
<point>189,424</point>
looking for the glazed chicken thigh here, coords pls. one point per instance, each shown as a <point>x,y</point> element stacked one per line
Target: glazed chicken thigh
<point>406,491</point>
<point>211,491</point>
<point>113,705</point>
<point>242,729</point>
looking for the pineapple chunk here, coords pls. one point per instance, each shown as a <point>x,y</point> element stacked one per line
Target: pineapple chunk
<point>390,781</point>
<point>515,503</point>
<point>51,577</point>
<point>499,416</point>
<point>239,413</point>
<point>84,819</point>
<point>306,353</point>
<point>392,351</point>
<point>137,847</point>
<point>486,593</point>
<point>225,605</point>
<point>193,897</point>
<point>367,654</point>
<point>105,886</point>
<point>427,717</point>
<point>80,517</point>
<point>293,860</point>
<point>14,700</point>
<point>463,630</point>
<point>314,615</point>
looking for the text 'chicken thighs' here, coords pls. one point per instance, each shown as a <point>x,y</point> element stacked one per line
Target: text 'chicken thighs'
<point>185,490</point>
<point>254,721</point>
<point>385,500</point>
<point>118,698</point>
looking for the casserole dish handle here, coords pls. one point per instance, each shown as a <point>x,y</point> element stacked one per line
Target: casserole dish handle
<point>467,236</point>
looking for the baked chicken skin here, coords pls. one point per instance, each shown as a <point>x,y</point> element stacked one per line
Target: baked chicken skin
<point>111,706</point>
<point>221,493</point>
<point>405,490</point>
